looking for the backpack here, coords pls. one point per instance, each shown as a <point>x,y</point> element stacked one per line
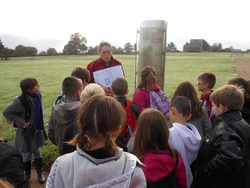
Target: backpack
<point>168,181</point>
<point>159,100</point>
<point>130,126</point>
<point>26,105</point>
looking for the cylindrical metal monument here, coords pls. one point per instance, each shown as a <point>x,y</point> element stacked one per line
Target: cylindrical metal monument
<point>150,48</point>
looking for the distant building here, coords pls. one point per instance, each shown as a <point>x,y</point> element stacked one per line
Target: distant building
<point>195,45</point>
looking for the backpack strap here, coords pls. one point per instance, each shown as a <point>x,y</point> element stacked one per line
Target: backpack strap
<point>129,129</point>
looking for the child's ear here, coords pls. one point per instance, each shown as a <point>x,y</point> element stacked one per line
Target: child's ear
<point>78,94</point>
<point>223,108</point>
<point>127,92</point>
<point>189,117</point>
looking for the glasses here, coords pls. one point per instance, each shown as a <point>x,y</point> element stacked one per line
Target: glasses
<point>199,84</point>
<point>106,52</point>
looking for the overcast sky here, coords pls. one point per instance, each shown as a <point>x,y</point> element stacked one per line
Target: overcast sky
<point>49,23</point>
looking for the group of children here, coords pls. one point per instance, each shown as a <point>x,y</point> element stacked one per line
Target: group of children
<point>204,143</point>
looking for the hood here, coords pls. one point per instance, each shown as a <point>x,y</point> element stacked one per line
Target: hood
<point>190,138</point>
<point>69,110</point>
<point>161,164</point>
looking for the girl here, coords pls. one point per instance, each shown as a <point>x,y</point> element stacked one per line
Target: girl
<point>30,134</point>
<point>152,148</point>
<point>97,161</point>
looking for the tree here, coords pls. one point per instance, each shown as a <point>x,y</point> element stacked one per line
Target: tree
<point>128,48</point>
<point>216,47</point>
<point>76,45</point>
<point>92,50</point>
<point>1,47</point>
<point>51,51</point>
<point>206,46</point>
<point>171,47</point>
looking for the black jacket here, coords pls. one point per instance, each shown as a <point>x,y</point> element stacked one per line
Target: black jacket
<point>222,160</point>
<point>11,165</point>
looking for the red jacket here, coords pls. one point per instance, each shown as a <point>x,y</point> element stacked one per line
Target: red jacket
<point>158,166</point>
<point>99,64</point>
<point>141,97</point>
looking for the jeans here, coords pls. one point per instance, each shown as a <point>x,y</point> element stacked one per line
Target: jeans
<point>27,156</point>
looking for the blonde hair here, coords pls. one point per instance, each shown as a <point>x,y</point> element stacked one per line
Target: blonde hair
<point>98,118</point>
<point>91,90</point>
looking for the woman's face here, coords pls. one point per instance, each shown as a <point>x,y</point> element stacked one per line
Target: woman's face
<point>105,53</point>
<point>35,89</point>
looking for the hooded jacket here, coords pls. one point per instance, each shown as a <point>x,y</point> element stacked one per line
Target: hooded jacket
<point>160,165</point>
<point>78,169</point>
<point>61,117</point>
<point>186,139</point>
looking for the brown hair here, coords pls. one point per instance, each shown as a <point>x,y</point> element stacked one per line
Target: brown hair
<point>186,89</point>
<point>152,133</point>
<point>81,73</point>
<point>4,183</point>
<point>119,86</point>
<point>148,77</point>
<point>71,85</point>
<point>182,105</point>
<point>27,83</point>
<point>208,78</point>
<point>240,82</point>
<point>98,117</point>
<point>104,44</point>
<point>229,96</point>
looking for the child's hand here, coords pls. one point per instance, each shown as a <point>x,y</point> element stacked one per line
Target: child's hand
<point>26,124</point>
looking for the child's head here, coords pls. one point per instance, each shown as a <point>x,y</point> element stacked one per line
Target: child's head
<point>225,98</point>
<point>82,74</point>
<point>148,77</point>
<point>120,87</point>
<point>100,120</point>
<point>206,81</point>
<point>180,109</point>
<point>241,82</point>
<point>91,90</point>
<point>152,133</point>
<point>187,89</point>
<point>72,86</point>
<point>29,85</point>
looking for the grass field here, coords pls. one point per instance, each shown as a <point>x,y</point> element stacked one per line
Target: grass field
<point>50,71</point>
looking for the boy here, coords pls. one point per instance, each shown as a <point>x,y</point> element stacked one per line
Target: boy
<point>66,112</point>
<point>120,89</point>
<point>223,159</point>
<point>206,82</point>
<point>184,136</point>
<point>77,72</point>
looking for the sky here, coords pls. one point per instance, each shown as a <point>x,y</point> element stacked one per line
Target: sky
<point>48,24</point>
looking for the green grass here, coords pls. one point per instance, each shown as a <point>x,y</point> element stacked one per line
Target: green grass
<point>50,71</point>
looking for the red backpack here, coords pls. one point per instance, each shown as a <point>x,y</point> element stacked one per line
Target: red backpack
<point>131,123</point>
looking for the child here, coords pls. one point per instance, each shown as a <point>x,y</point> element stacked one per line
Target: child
<point>97,162</point>
<point>143,98</point>
<point>120,88</point>
<point>30,133</point>
<point>66,112</point>
<point>72,130</point>
<point>184,136</point>
<point>152,148</point>
<point>206,82</point>
<point>77,72</point>
<point>223,158</point>
<point>241,82</point>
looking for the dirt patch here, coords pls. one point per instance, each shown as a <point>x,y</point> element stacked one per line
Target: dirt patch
<point>242,64</point>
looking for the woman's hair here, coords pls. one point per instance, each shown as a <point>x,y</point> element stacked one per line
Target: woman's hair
<point>98,118</point>
<point>104,44</point>
<point>91,90</point>
<point>152,133</point>
<point>148,77</point>
<point>230,96</point>
<point>186,89</point>
<point>27,83</point>
<point>4,183</point>
<point>81,73</point>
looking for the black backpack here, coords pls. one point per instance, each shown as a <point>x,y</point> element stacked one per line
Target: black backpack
<point>170,181</point>
<point>26,105</point>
